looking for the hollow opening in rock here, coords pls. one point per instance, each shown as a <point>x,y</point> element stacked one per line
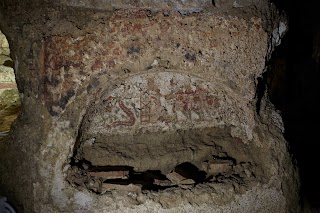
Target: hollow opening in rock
<point>158,161</point>
<point>9,95</point>
<point>158,131</point>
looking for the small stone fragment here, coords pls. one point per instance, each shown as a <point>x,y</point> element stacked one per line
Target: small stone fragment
<point>94,185</point>
<point>175,177</point>
<point>162,182</point>
<point>187,182</point>
<point>181,181</point>
<point>185,186</point>
<point>111,174</point>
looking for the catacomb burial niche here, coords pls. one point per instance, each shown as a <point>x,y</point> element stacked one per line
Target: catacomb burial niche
<point>158,131</point>
<point>9,95</point>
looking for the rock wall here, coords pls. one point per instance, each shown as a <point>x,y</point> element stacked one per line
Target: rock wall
<point>122,101</point>
<point>9,96</point>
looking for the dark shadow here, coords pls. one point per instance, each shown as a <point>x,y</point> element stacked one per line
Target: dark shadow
<point>294,89</point>
<point>190,171</point>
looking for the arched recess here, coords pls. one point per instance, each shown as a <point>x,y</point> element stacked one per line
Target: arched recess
<point>160,130</point>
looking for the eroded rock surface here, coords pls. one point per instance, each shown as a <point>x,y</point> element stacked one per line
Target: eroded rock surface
<point>145,106</point>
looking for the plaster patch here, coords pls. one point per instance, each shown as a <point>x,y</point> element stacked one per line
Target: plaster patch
<point>83,200</point>
<point>157,102</point>
<point>59,197</point>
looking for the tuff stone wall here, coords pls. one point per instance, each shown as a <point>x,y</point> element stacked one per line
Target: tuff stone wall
<point>145,86</point>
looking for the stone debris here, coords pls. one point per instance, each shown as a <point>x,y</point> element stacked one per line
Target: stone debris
<point>111,174</point>
<point>94,185</point>
<point>175,177</point>
<point>186,186</point>
<point>179,180</point>
<point>162,182</point>
<point>129,188</point>
<point>77,177</point>
<point>184,176</point>
<point>187,182</point>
